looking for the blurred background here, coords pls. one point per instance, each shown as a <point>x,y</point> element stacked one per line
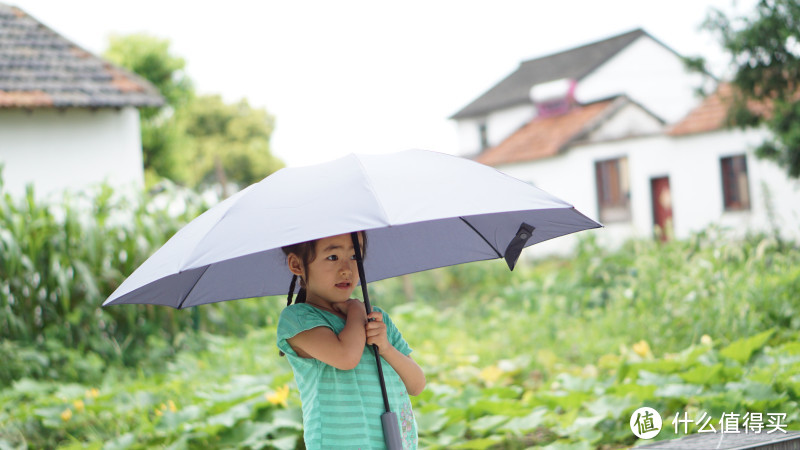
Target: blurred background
<point>675,125</point>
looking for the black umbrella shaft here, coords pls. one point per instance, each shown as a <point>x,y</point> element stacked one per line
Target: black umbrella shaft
<point>360,263</point>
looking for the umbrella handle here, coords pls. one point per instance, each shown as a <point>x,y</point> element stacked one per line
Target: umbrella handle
<point>391,428</point>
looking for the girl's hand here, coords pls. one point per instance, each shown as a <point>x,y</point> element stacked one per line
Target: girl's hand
<point>376,332</point>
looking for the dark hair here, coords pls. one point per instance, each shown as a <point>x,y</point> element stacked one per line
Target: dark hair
<point>307,251</point>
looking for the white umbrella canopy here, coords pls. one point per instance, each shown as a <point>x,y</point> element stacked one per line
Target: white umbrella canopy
<point>420,209</point>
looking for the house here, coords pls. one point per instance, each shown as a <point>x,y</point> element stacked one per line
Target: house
<point>68,119</point>
<point>634,64</point>
<point>639,163</point>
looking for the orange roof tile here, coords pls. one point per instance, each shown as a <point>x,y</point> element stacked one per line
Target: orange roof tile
<point>544,137</point>
<point>24,99</point>
<point>712,113</point>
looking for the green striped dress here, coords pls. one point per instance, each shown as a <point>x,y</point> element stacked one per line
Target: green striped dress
<point>342,408</point>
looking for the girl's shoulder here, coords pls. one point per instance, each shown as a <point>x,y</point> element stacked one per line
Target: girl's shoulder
<point>300,311</point>
<point>300,317</point>
<point>295,309</point>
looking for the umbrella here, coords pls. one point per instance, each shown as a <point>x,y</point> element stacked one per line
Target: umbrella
<point>420,209</point>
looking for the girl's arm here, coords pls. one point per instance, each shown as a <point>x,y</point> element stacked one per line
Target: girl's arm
<point>342,351</point>
<point>405,366</point>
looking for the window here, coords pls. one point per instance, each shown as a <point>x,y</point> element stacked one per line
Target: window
<point>613,192</point>
<point>735,193</point>
<point>484,136</point>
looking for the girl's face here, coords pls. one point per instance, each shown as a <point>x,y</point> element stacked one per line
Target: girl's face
<point>333,274</point>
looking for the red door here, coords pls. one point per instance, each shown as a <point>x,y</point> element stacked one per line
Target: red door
<point>662,207</point>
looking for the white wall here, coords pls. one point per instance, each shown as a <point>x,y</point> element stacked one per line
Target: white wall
<point>650,74</point>
<point>469,138</point>
<point>71,149</point>
<point>693,166</point>
<point>701,195</point>
<point>499,125</point>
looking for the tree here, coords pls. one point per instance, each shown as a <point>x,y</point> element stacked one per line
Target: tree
<point>765,53</point>
<point>227,142</point>
<point>194,140</point>
<point>150,58</point>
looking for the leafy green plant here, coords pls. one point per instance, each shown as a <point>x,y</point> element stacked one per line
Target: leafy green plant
<point>557,354</point>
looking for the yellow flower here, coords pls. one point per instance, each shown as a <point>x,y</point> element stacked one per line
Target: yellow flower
<point>159,413</point>
<point>280,396</point>
<point>706,340</point>
<point>78,404</point>
<point>66,415</point>
<point>642,348</point>
<point>93,393</point>
<point>172,406</point>
<point>491,374</point>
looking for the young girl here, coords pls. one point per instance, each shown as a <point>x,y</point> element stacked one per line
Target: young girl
<point>325,334</point>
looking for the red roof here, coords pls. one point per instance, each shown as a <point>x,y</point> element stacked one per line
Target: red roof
<point>545,137</point>
<point>712,113</point>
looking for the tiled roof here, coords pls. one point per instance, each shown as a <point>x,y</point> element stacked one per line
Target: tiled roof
<point>41,69</point>
<point>572,64</point>
<point>545,137</point>
<point>712,113</point>
<point>709,115</point>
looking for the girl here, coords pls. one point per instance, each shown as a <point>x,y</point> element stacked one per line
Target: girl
<point>324,336</point>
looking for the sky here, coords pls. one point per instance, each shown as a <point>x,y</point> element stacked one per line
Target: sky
<point>372,76</point>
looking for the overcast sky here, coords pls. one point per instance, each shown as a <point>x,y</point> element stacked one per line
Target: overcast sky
<point>370,76</point>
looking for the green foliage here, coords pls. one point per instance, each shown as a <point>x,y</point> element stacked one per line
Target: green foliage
<point>194,140</point>
<point>197,401</point>
<point>150,58</point>
<point>226,142</point>
<point>58,263</point>
<point>557,354</point>
<point>765,53</point>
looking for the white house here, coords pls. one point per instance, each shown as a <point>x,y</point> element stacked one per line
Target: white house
<point>634,64</point>
<point>68,119</point>
<point>635,164</point>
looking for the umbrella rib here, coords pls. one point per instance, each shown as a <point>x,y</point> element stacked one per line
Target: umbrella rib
<point>180,306</point>
<point>499,255</point>
<point>372,188</point>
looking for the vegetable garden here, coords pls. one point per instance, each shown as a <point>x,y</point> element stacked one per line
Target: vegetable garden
<point>557,354</point>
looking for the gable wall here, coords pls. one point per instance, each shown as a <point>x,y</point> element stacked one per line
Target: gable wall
<point>648,73</point>
<point>630,120</point>
<point>71,149</point>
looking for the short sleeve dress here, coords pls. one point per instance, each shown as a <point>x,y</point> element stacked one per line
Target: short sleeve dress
<point>343,408</point>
